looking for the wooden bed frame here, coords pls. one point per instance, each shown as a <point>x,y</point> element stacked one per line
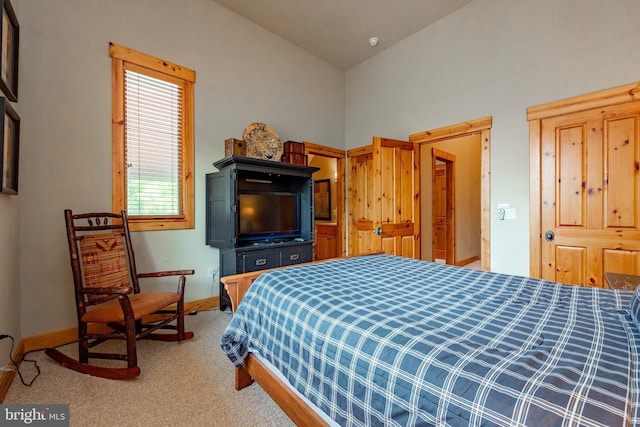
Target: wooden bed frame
<point>300,412</point>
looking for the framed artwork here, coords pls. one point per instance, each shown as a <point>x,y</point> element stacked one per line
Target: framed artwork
<point>322,199</point>
<point>9,36</point>
<point>10,147</point>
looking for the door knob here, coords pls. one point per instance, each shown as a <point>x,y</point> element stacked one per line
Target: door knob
<point>549,236</point>
<point>378,231</point>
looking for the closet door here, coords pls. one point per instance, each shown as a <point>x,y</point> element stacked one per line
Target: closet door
<point>590,194</point>
<point>383,202</point>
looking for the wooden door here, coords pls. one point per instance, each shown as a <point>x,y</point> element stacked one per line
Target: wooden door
<point>384,200</point>
<point>444,232</point>
<point>590,194</point>
<point>326,245</point>
<point>439,212</point>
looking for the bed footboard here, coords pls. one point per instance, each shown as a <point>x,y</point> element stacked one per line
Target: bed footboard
<point>236,285</point>
<point>300,412</point>
<point>296,408</point>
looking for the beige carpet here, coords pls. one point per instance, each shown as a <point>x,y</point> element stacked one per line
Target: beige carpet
<point>181,384</point>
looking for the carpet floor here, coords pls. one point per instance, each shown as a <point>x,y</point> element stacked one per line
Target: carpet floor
<point>181,384</point>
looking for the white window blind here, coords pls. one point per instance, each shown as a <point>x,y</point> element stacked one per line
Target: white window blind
<point>153,141</point>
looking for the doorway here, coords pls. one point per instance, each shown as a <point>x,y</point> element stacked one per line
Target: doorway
<point>481,130</point>
<point>330,225</point>
<point>443,207</point>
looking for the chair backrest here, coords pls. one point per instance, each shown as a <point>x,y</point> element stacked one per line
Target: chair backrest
<point>100,253</point>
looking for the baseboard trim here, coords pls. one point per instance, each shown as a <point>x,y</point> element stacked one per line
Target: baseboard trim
<point>66,336</point>
<point>7,376</point>
<point>466,261</point>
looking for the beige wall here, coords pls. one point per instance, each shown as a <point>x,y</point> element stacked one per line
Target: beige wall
<point>467,195</point>
<point>9,276</point>
<point>10,259</point>
<point>495,58</point>
<point>244,74</point>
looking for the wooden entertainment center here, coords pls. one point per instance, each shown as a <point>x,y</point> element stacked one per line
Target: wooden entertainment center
<point>259,215</point>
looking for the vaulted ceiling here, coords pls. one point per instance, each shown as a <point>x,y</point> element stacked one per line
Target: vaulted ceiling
<point>338,31</point>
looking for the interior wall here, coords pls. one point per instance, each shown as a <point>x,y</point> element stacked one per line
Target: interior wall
<point>244,74</point>
<point>9,257</point>
<point>495,58</point>
<point>467,195</point>
<point>490,58</point>
<point>10,277</point>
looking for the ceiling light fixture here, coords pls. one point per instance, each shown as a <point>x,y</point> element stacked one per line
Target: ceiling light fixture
<point>373,41</point>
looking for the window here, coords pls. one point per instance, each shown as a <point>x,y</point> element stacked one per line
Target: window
<point>152,109</point>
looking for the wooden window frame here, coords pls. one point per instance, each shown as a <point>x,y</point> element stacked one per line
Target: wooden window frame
<point>120,56</point>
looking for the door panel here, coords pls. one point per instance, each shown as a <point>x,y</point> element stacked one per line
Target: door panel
<point>570,261</point>
<point>383,198</point>
<point>570,155</point>
<point>622,261</point>
<point>590,194</point>
<point>621,169</point>
<point>440,240</point>
<point>326,245</point>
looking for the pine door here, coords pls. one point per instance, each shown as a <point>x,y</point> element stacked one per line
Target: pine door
<point>590,194</point>
<point>383,203</point>
<point>439,212</point>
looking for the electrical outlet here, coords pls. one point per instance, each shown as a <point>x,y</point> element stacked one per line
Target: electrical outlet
<point>210,272</point>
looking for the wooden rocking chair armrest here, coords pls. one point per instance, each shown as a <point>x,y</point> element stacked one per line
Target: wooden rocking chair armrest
<point>166,273</point>
<point>124,290</point>
<point>181,280</point>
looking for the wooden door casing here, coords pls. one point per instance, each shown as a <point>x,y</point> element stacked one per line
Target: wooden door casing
<point>586,165</point>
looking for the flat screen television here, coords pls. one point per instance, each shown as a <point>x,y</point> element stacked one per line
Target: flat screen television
<point>264,216</point>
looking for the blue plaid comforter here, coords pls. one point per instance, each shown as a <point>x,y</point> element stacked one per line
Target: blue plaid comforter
<point>384,340</point>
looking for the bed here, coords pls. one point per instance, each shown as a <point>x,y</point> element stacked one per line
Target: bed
<point>386,340</point>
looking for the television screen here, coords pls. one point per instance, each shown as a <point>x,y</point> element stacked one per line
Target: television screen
<point>265,215</point>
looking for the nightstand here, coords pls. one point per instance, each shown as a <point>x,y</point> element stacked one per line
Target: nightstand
<point>625,282</point>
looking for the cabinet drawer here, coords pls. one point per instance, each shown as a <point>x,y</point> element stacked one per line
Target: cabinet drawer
<point>258,260</point>
<point>296,255</point>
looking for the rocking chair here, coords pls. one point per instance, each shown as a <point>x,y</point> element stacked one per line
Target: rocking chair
<point>109,302</point>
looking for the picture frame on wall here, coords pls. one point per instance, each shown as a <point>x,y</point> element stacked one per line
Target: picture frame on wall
<point>9,154</point>
<point>9,41</point>
<point>322,199</point>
